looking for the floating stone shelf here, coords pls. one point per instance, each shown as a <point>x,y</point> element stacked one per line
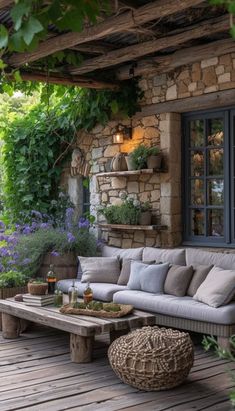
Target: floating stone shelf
<point>128,173</point>
<point>105,226</point>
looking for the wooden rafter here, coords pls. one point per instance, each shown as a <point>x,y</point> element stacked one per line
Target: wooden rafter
<point>94,48</point>
<point>188,55</point>
<point>206,28</point>
<point>79,81</point>
<point>116,24</point>
<point>5,3</point>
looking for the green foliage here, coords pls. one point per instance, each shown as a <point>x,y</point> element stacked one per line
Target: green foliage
<point>230,6</point>
<point>37,281</point>
<point>36,145</point>
<point>140,155</point>
<point>12,279</point>
<point>126,213</point>
<point>209,343</point>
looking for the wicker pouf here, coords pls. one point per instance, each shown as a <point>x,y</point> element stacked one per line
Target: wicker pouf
<point>152,358</point>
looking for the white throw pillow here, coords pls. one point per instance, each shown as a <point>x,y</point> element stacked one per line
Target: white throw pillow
<point>218,288</point>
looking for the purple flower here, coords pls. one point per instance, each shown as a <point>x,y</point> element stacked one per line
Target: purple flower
<point>44,225</point>
<point>83,223</point>
<point>27,230</point>
<point>4,252</point>
<point>2,226</point>
<point>55,253</point>
<point>36,213</point>
<point>11,262</point>
<point>26,261</point>
<point>70,238</point>
<point>3,237</point>
<point>1,268</point>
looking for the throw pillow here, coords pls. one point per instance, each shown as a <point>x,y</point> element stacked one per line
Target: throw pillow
<point>126,270</point>
<point>177,280</point>
<point>199,275</point>
<point>218,288</point>
<point>100,269</point>
<point>147,277</point>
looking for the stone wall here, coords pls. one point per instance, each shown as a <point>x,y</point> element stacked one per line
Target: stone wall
<point>162,190</point>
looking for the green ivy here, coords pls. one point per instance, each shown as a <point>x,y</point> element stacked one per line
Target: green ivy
<point>34,143</point>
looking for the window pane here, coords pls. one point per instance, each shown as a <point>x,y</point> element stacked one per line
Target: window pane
<point>216,162</point>
<point>198,222</point>
<point>216,223</point>
<point>215,132</point>
<point>197,163</point>
<point>215,192</point>
<point>197,192</point>
<point>197,133</point>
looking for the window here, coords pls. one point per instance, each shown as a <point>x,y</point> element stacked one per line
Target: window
<point>209,178</point>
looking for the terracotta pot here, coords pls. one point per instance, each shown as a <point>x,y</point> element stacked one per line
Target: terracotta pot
<point>65,266</point>
<point>37,289</point>
<point>130,164</point>
<point>154,161</point>
<point>145,218</point>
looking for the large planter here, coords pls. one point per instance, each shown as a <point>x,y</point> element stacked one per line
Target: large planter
<point>65,266</point>
<point>10,293</point>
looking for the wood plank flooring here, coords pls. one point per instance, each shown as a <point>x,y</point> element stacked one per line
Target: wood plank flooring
<point>36,374</point>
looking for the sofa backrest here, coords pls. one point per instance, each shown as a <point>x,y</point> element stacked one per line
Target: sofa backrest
<point>134,253</point>
<point>161,255</point>
<point>196,256</point>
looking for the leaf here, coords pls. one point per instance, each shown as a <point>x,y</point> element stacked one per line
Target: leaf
<point>30,28</point>
<point>72,20</point>
<point>18,12</point>
<point>114,106</point>
<point>231,8</point>
<point>2,64</point>
<point>3,36</point>
<point>17,76</point>
<point>16,42</point>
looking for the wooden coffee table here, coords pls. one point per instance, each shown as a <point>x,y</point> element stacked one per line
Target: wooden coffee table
<point>82,329</point>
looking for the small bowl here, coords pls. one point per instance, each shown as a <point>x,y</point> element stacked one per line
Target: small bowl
<point>37,289</point>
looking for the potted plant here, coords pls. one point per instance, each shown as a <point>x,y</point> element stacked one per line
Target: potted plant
<point>12,283</point>
<point>37,286</point>
<point>154,158</point>
<point>145,213</point>
<point>138,158</point>
<point>126,213</point>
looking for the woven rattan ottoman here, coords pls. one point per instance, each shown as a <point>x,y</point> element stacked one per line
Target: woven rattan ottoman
<point>152,358</point>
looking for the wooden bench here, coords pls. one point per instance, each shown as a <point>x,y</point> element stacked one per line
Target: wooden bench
<point>83,329</point>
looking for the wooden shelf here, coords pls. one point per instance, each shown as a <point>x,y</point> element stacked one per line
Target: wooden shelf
<point>105,226</point>
<point>129,173</point>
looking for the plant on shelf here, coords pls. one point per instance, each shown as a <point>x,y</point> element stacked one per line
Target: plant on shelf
<point>144,157</point>
<point>128,213</point>
<point>145,213</point>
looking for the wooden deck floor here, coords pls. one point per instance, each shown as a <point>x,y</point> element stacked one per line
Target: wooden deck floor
<point>36,374</point>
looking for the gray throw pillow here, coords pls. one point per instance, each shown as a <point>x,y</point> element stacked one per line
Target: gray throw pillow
<point>100,269</point>
<point>147,277</point>
<point>218,288</point>
<point>199,275</point>
<point>177,280</point>
<point>126,270</point>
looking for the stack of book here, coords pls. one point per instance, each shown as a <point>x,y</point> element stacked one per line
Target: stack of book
<point>38,300</point>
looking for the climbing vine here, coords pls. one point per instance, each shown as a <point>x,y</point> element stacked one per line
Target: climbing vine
<point>33,143</point>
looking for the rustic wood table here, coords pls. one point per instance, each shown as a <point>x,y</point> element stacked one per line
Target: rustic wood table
<point>16,316</point>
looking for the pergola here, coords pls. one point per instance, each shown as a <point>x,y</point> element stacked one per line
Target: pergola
<point>140,37</point>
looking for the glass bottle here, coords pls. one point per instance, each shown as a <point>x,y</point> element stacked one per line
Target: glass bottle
<point>51,280</point>
<point>58,298</point>
<point>70,291</point>
<point>74,296</point>
<point>88,294</point>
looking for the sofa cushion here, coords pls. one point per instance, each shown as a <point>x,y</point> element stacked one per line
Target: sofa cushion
<point>195,256</point>
<point>182,307</point>
<point>100,269</point>
<point>218,288</point>
<point>177,280</point>
<point>133,253</point>
<point>147,277</point>
<point>101,291</point>
<point>126,270</point>
<point>161,255</point>
<point>199,275</point>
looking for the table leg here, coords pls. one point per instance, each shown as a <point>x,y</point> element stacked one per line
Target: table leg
<point>114,334</point>
<point>81,348</point>
<point>10,326</point>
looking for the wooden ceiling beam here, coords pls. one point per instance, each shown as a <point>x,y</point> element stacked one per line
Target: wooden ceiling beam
<point>169,62</point>
<point>174,38</point>
<point>115,24</point>
<point>94,48</point>
<point>78,81</point>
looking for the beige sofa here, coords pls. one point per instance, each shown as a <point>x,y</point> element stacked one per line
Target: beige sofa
<point>178,312</point>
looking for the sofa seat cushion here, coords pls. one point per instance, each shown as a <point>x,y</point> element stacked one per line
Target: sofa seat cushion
<point>183,307</point>
<point>101,291</point>
<point>161,255</point>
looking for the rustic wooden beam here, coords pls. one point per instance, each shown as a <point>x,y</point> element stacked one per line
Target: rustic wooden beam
<point>79,81</point>
<point>206,28</point>
<point>5,4</point>
<point>205,101</point>
<point>112,25</point>
<point>169,62</point>
<point>94,48</point>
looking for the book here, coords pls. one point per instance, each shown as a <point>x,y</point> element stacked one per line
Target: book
<point>38,297</point>
<point>38,304</point>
